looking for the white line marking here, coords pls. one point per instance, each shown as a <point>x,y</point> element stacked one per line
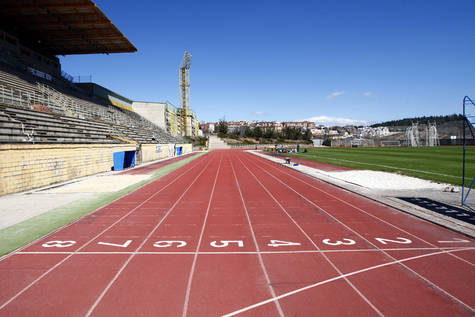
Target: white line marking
<point>143,242</point>
<point>95,237</point>
<point>337,278</point>
<point>455,240</point>
<point>93,212</point>
<point>124,245</point>
<point>261,261</point>
<point>243,252</point>
<point>169,243</point>
<point>195,258</point>
<point>265,162</point>
<point>281,243</point>
<point>58,244</point>
<point>359,235</point>
<point>399,240</point>
<point>370,304</point>
<point>226,243</point>
<point>393,167</point>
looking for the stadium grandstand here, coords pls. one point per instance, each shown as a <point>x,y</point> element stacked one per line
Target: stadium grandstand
<point>51,128</point>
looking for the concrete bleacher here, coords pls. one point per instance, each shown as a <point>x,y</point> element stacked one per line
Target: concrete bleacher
<point>74,117</point>
<point>19,125</point>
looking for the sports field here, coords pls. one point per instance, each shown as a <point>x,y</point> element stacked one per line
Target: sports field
<point>440,164</point>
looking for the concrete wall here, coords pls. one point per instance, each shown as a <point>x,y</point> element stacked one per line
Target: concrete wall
<point>152,111</point>
<point>149,151</point>
<point>28,166</point>
<point>187,148</point>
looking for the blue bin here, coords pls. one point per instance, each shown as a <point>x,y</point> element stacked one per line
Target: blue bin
<point>123,160</point>
<point>119,161</point>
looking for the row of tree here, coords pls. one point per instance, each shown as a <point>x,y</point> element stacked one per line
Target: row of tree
<point>290,133</point>
<point>423,120</point>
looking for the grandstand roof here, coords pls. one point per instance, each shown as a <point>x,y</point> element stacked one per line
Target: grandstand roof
<point>63,27</point>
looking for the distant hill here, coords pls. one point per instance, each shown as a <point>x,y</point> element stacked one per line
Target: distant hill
<point>439,120</point>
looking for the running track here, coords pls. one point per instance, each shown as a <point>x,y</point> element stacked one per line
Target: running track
<point>234,234</point>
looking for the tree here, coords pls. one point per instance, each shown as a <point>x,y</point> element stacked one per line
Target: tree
<point>269,133</point>
<point>257,132</point>
<point>307,135</point>
<point>248,132</point>
<point>222,127</point>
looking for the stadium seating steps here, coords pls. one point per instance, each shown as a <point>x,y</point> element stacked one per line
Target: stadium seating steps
<point>76,118</point>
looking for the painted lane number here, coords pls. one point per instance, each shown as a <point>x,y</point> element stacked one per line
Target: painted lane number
<point>124,245</point>
<point>280,243</point>
<point>225,243</point>
<point>399,240</point>
<point>169,243</point>
<point>348,242</point>
<point>58,244</point>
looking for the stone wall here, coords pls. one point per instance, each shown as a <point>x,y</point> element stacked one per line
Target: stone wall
<point>152,152</point>
<point>28,166</point>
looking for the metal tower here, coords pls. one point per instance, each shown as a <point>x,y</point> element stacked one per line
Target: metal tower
<point>184,83</point>
<point>468,133</point>
<point>432,135</point>
<point>412,135</point>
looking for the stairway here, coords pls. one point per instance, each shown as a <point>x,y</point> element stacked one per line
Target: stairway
<point>217,143</point>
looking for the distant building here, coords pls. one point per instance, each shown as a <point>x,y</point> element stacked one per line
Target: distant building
<point>166,116</point>
<point>207,127</point>
<point>192,123</point>
<point>234,126</point>
<point>299,124</point>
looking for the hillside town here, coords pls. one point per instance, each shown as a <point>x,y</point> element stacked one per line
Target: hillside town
<point>406,134</point>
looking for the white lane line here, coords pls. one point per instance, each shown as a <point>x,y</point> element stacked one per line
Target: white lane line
<point>91,309</point>
<point>234,313</point>
<point>195,258</point>
<point>314,244</point>
<point>392,167</point>
<point>243,252</point>
<point>87,243</point>
<point>264,161</point>
<point>100,208</point>
<point>261,261</point>
<point>359,235</point>
<point>455,240</point>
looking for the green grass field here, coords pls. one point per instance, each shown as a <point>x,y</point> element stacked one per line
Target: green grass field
<point>440,164</point>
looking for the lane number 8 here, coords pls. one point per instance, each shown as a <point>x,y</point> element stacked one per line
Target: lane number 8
<point>58,244</point>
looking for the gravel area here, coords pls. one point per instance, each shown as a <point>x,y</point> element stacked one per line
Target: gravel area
<point>384,180</point>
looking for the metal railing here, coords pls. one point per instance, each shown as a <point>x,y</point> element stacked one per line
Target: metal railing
<point>269,145</point>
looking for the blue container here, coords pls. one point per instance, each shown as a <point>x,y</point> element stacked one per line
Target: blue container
<point>123,160</point>
<point>119,158</point>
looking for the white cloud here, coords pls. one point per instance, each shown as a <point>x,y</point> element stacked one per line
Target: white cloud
<point>368,94</point>
<point>329,121</point>
<point>335,94</point>
<point>259,113</point>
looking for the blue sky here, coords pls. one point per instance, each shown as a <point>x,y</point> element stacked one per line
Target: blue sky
<point>333,61</point>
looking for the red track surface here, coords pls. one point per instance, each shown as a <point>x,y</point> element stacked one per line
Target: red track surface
<point>231,233</point>
<point>155,166</point>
